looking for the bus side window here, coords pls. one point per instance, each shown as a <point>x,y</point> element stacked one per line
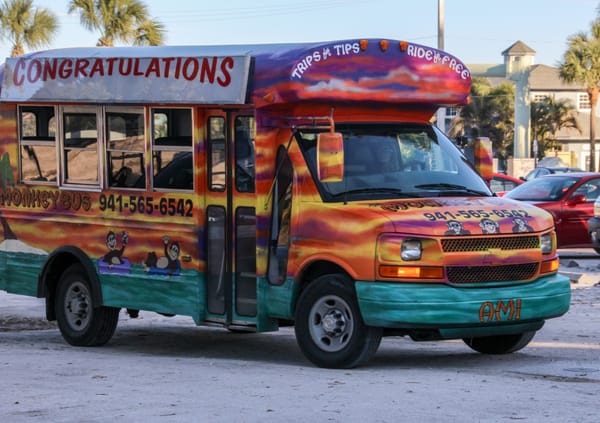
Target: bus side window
<point>244,153</point>
<point>37,139</point>
<point>80,145</point>
<point>281,220</point>
<point>125,147</point>
<point>172,153</point>
<point>216,153</point>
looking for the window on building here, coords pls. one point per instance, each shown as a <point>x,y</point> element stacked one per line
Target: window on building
<point>452,112</point>
<point>539,97</point>
<point>37,144</point>
<point>583,101</point>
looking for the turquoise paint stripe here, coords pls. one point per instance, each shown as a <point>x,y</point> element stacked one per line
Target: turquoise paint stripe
<point>279,299</point>
<point>473,332</point>
<point>21,273</point>
<point>403,305</point>
<point>183,294</point>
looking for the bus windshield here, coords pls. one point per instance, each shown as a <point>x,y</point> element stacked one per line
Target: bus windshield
<point>383,161</point>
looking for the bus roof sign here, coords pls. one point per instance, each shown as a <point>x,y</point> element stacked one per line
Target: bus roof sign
<point>100,78</point>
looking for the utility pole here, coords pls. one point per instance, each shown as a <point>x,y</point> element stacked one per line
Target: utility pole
<point>441,112</point>
<point>440,25</point>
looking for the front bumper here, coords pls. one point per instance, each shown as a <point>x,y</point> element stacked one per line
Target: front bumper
<point>459,311</point>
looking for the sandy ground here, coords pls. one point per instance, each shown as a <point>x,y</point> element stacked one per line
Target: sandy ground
<point>159,369</point>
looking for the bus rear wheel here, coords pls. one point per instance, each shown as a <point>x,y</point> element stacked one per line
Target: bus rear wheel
<point>79,322</point>
<point>500,344</point>
<point>329,328</point>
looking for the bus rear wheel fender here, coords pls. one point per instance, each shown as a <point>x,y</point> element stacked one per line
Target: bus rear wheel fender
<point>80,323</point>
<point>329,327</point>
<point>500,344</point>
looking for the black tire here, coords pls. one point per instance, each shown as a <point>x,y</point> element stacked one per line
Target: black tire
<point>500,344</point>
<point>597,250</point>
<point>81,324</point>
<point>329,328</point>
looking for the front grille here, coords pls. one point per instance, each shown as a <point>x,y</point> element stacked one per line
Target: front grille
<point>520,242</point>
<point>479,274</point>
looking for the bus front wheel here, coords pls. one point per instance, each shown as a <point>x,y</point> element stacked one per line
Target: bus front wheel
<point>500,344</point>
<point>79,322</point>
<point>329,328</point>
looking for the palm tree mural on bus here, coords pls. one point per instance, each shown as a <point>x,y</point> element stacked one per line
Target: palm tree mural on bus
<point>6,180</point>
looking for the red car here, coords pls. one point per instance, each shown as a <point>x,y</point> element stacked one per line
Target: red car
<point>502,183</point>
<point>569,197</point>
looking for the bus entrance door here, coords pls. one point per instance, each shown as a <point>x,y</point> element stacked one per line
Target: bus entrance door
<point>231,219</point>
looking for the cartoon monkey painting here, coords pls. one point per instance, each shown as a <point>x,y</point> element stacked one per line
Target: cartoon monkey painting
<point>520,225</point>
<point>114,255</point>
<point>168,264</point>
<point>488,226</point>
<point>456,228</point>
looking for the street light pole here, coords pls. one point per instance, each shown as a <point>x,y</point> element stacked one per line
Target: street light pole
<point>440,24</point>
<point>441,112</point>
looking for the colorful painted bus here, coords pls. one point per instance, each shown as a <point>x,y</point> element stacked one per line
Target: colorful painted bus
<point>252,187</point>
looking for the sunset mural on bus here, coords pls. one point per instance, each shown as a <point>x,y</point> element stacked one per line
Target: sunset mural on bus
<point>257,186</point>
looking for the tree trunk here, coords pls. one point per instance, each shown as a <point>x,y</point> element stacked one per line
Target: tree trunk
<point>593,95</point>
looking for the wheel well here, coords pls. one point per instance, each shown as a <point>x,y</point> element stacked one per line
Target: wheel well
<point>55,265</point>
<point>312,272</point>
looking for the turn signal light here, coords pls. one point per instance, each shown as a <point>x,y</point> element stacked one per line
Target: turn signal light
<point>383,45</point>
<point>364,44</point>
<point>411,272</point>
<point>550,266</point>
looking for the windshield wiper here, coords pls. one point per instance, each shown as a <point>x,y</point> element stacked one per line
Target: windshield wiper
<point>443,186</point>
<point>396,191</point>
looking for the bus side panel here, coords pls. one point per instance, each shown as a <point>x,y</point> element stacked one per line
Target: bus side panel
<point>184,295</point>
<point>146,261</point>
<point>8,174</point>
<point>22,271</point>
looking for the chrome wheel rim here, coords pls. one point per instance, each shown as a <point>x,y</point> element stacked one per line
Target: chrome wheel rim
<point>331,323</point>
<point>77,307</point>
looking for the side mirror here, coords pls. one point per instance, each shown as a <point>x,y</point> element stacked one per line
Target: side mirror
<point>576,199</point>
<point>481,157</point>
<point>330,157</point>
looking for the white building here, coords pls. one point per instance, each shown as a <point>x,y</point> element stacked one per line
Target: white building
<point>532,83</point>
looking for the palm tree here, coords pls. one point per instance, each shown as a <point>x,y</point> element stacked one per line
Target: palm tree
<point>24,25</point>
<point>489,114</point>
<point>126,21</point>
<point>581,64</point>
<point>550,116</point>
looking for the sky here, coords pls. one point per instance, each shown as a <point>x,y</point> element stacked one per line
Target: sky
<point>475,31</point>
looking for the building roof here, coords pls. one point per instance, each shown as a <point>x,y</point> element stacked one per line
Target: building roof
<point>547,78</point>
<point>519,48</point>
<point>488,71</point>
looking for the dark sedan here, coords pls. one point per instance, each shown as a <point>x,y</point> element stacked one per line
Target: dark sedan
<point>569,197</point>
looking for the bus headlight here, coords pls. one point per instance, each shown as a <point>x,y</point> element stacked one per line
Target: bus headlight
<point>406,258</point>
<point>411,250</point>
<point>547,243</point>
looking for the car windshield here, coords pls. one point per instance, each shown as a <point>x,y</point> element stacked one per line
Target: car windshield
<point>542,189</point>
<point>396,161</point>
